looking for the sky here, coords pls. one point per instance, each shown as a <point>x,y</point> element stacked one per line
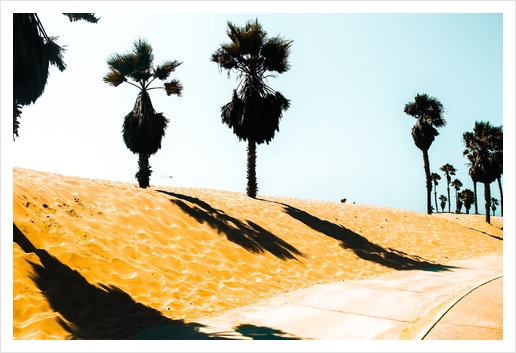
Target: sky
<point>345,134</point>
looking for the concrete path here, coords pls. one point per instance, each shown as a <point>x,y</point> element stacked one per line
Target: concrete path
<point>476,316</point>
<point>403,305</point>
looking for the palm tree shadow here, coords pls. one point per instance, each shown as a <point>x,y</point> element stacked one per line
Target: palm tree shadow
<point>248,235</point>
<point>362,247</point>
<point>491,235</point>
<point>88,312</point>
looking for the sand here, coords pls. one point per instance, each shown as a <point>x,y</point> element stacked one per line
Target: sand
<point>98,259</point>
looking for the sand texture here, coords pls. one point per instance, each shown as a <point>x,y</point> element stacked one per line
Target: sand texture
<point>97,259</point>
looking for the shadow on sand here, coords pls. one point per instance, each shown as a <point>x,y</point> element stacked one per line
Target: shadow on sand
<point>248,235</point>
<point>362,247</point>
<point>491,235</point>
<point>108,313</point>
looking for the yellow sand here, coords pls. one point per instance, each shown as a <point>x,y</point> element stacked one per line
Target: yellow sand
<point>115,260</point>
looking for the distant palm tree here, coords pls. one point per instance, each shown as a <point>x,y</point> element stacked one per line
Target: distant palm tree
<point>485,144</point>
<point>143,127</point>
<point>499,160</point>
<point>33,52</point>
<point>443,201</point>
<point>429,114</point>
<point>435,177</point>
<point>448,170</point>
<point>467,197</point>
<point>255,109</point>
<point>457,184</point>
<point>471,156</point>
<point>494,203</point>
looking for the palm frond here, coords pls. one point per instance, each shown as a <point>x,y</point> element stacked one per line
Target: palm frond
<point>143,127</point>
<point>55,53</point>
<point>143,51</point>
<point>141,75</point>
<point>16,117</point>
<point>276,52</point>
<point>88,17</point>
<point>173,87</point>
<point>114,78</point>
<point>162,72</point>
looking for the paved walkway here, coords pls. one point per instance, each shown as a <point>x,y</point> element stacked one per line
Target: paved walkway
<point>403,305</point>
<point>476,316</point>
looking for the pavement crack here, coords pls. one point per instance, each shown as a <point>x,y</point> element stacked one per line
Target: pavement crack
<point>357,314</point>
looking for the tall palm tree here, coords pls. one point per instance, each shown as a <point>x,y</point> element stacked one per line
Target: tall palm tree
<point>467,197</point>
<point>457,184</point>
<point>443,201</point>
<point>143,127</point>
<point>494,203</point>
<point>255,109</point>
<point>33,52</point>
<point>435,177</point>
<point>448,170</point>
<point>429,114</point>
<point>484,145</point>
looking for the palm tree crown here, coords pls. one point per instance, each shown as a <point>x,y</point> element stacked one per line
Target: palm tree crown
<point>467,196</point>
<point>484,148</point>
<point>143,128</point>
<point>255,109</point>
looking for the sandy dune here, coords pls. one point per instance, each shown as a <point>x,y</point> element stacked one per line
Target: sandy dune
<point>107,260</point>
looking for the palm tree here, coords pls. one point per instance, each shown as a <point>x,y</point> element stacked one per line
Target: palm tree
<point>467,197</point>
<point>499,160</point>
<point>429,114</point>
<point>471,172</point>
<point>457,184</point>
<point>143,127</point>
<point>435,177</point>
<point>443,201</point>
<point>255,110</point>
<point>33,51</point>
<point>494,203</point>
<point>484,145</point>
<point>448,170</point>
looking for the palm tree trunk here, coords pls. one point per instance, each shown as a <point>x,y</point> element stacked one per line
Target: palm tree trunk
<point>435,197</point>
<point>144,171</point>
<point>449,198</point>
<point>501,195</point>
<point>487,195</point>
<point>475,194</point>
<point>428,182</point>
<point>252,185</point>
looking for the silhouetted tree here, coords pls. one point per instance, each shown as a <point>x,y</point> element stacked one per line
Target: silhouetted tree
<point>143,127</point>
<point>471,156</point>
<point>435,178</point>
<point>33,51</point>
<point>494,203</point>
<point>429,114</point>
<point>448,170</point>
<point>484,145</point>
<point>443,201</point>
<point>499,160</point>
<point>255,109</point>
<point>467,197</point>
<point>457,184</point>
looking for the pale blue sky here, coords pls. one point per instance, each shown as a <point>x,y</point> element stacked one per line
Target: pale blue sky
<point>345,135</point>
